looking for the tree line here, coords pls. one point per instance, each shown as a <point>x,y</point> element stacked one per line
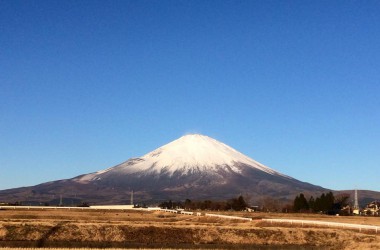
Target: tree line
<point>326,203</point>
<point>236,204</point>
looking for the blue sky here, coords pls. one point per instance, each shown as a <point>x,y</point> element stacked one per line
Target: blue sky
<point>295,85</point>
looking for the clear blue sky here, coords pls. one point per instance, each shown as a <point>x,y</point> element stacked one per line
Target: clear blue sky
<point>295,85</point>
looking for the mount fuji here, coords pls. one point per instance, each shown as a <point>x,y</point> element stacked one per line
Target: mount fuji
<point>193,166</point>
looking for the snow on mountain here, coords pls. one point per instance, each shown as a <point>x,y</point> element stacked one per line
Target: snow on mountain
<point>192,153</point>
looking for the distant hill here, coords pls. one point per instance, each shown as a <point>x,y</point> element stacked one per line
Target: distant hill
<point>364,196</point>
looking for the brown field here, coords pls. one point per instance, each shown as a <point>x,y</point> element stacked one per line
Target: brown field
<point>143,229</point>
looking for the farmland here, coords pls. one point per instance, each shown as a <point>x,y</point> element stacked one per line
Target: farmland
<point>155,229</point>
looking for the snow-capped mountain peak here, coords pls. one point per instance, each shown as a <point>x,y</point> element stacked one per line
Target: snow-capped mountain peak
<point>198,150</point>
<point>188,154</point>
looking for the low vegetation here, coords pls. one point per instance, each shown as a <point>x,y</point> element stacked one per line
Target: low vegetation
<point>142,229</point>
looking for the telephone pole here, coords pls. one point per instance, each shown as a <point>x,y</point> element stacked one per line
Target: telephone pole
<point>132,198</point>
<point>356,203</point>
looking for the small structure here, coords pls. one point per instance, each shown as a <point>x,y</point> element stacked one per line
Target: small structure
<point>252,208</point>
<point>355,211</point>
<point>372,208</point>
<point>109,207</point>
<point>154,208</point>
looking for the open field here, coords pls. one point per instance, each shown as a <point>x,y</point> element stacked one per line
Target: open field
<point>143,229</point>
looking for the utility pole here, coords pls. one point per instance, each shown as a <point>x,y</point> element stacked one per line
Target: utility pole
<point>132,198</point>
<point>356,204</point>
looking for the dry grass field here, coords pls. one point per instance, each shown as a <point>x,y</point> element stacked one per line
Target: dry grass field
<point>143,229</point>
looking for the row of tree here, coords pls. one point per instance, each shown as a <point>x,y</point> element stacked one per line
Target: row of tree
<point>237,204</point>
<point>326,203</point>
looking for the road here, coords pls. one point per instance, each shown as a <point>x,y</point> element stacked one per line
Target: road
<point>360,227</point>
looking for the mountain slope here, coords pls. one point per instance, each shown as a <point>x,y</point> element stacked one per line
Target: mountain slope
<point>188,155</point>
<point>193,166</point>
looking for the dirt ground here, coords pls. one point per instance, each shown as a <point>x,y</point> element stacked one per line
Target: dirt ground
<point>143,229</point>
